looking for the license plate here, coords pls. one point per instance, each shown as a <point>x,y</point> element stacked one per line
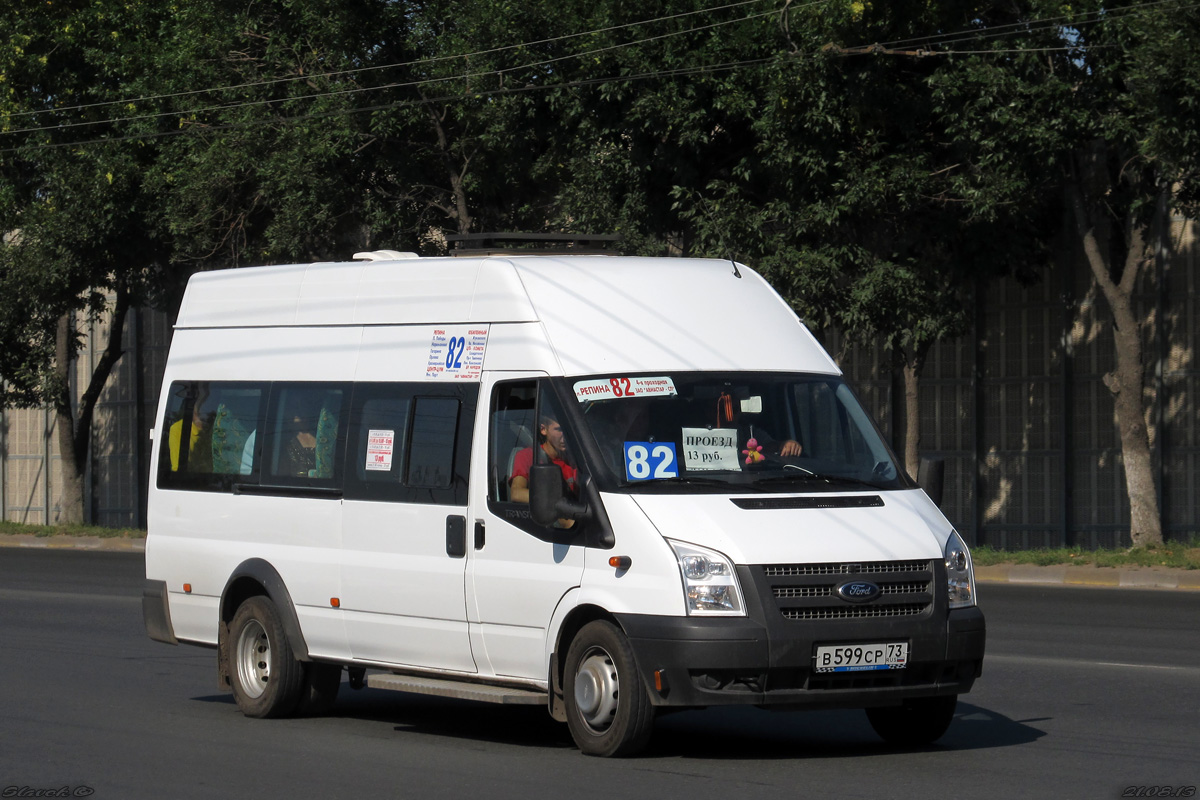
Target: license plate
<point>860,657</point>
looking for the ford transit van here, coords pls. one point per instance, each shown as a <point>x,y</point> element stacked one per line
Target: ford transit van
<point>608,486</point>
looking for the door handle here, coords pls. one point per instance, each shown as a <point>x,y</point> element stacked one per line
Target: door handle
<point>479,538</point>
<point>456,536</point>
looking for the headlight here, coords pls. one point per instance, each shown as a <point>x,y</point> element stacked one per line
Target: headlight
<point>960,575</point>
<point>710,583</point>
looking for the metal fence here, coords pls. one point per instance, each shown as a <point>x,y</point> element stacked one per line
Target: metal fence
<point>1020,412</point>
<point>114,487</point>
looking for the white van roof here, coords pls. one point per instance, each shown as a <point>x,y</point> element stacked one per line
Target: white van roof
<point>600,313</point>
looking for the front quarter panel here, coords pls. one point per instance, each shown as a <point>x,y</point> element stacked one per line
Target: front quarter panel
<point>651,585</point>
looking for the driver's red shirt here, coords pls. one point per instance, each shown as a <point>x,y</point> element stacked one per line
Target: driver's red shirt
<point>523,460</point>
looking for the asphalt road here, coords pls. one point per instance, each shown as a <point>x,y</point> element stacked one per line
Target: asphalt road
<point>1086,693</point>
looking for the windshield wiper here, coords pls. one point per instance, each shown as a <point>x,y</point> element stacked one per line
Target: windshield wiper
<point>808,477</point>
<point>686,480</point>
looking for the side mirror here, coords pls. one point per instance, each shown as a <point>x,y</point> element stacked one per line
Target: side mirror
<point>546,502</point>
<point>931,476</point>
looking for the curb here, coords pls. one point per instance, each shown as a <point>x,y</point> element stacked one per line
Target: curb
<point>1060,575</point>
<point>1101,577</point>
<point>107,544</point>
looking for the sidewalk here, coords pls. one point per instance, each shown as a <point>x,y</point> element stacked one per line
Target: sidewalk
<point>1060,575</point>
<point>1105,577</point>
<point>109,544</point>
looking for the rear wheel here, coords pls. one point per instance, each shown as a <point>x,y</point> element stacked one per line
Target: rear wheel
<point>608,710</point>
<point>916,722</point>
<point>267,679</point>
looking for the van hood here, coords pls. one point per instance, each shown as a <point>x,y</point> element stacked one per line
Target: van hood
<point>901,525</point>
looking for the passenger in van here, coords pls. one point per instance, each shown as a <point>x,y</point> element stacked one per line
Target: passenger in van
<point>553,443</point>
<point>299,451</point>
<point>308,453</point>
<point>199,454</point>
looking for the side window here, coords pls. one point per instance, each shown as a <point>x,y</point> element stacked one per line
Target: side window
<point>305,435</point>
<point>209,433</point>
<point>409,444</point>
<point>822,427</point>
<point>518,437</point>
<point>380,424</point>
<point>511,430</point>
<point>431,453</point>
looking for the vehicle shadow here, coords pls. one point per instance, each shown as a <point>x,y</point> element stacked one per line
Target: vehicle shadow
<point>737,733</point>
<point>750,733</point>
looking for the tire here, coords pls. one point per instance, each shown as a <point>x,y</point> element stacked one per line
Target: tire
<point>267,679</point>
<point>321,684</point>
<point>608,710</point>
<point>916,722</point>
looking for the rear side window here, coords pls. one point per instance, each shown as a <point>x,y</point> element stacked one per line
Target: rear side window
<point>409,443</point>
<point>391,442</point>
<point>209,433</point>
<point>431,455</point>
<point>305,435</point>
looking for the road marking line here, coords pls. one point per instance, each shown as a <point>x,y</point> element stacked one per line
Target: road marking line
<point>1076,663</point>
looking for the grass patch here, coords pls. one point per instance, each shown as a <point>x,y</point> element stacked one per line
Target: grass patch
<point>46,531</point>
<point>1179,555</point>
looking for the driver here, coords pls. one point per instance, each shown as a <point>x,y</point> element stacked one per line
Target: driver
<point>554,445</point>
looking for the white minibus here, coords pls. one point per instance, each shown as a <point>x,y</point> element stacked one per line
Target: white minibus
<point>610,486</point>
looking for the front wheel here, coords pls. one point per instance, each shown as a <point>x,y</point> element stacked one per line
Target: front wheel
<point>608,710</point>
<point>266,677</point>
<point>915,722</point>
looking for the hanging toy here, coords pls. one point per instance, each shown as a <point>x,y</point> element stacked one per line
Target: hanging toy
<point>754,452</point>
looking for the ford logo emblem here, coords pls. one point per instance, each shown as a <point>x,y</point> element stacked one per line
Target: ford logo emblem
<point>858,591</point>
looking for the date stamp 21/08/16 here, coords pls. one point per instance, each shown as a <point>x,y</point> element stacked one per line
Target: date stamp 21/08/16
<point>1151,790</point>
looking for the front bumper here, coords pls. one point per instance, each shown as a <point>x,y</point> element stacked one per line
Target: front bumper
<point>765,658</point>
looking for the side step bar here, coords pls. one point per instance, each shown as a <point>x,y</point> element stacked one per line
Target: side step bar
<point>461,690</point>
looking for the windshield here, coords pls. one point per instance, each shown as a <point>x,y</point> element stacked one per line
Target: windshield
<point>688,432</point>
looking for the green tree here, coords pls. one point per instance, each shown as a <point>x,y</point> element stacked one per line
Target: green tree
<point>119,177</point>
<point>1103,99</point>
<point>852,195</point>
<point>75,218</point>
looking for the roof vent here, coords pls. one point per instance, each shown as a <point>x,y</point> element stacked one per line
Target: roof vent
<point>384,255</point>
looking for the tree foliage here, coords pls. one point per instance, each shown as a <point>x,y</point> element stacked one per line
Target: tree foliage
<point>881,162</point>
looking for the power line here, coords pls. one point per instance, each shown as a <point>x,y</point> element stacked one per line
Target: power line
<point>679,72</point>
<point>1036,25</point>
<point>396,85</point>
<point>395,65</point>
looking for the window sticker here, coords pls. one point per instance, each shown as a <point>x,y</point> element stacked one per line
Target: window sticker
<point>380,445</point>
<point>710,449</point>
<point>456,353</point>
<point>649,460</point>
<point>610,388</point>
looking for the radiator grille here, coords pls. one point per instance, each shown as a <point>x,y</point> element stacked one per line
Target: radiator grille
<point>808,592</point>
<point>855,612</point>
<point>803,591</point>
<point>850,568</point>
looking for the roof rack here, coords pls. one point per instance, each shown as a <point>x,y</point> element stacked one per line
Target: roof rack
<point>525,244</point>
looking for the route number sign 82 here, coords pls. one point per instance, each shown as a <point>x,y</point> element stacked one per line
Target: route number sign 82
<point>649,460</point>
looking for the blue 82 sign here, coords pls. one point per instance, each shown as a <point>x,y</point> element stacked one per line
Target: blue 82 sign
<point>647,460</point>
<point>454,352</point>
